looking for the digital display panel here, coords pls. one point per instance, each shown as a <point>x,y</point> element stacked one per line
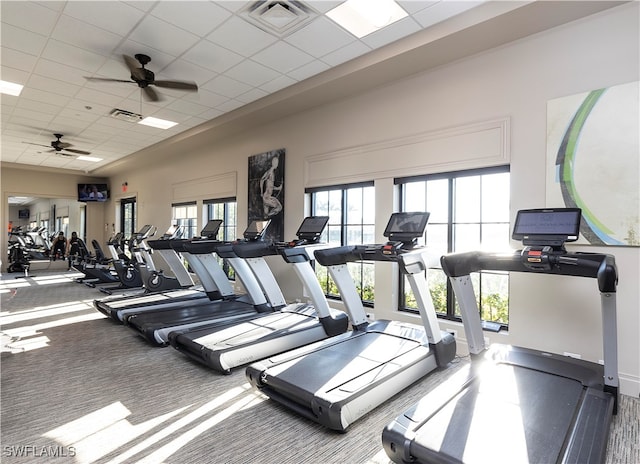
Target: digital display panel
<point>313,225</point>
<point>211,228</point>
<point>563,222</point>
<point>407,224</point>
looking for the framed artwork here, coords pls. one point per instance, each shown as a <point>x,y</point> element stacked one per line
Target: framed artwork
<point>266,191</point>
<point>593,162</point>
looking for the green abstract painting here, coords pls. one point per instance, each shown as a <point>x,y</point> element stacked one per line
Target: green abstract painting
<point>593,162</point>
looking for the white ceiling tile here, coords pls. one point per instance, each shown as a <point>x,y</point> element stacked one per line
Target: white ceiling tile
<point>323,6</point>
<point>100,98</point>
<point>164,36</point>
<point>197,17</point>
<point>442,10</point>
<point>17,60</point>
<point>76,32</point>
<point>184,71</point>
<point>28,15</point>
<point>252,95</point>
<point>278,83</point>
<point>308,70</point>
<point>53,85</point>
<point>391,33</point>
<point>52,45</point>
<point>21,40</point>
<point>16,76</point>
<point>349,52</point>
<point>37,117</point>
<point>233,5</point>
<point>226,86</point>
<point>116,17</point>
<point>29,93</point>
<point>158,61</point>
<point>38,106</point>
<point>206,98</point>
<point>241,37</point>
<point>184,108</point>
<point>252,73</point>
<point>212,56</point>
<point>59,71</point>
<point>282,57</point>
<point>332,36</point>
<point>413,6</point>
<point>211,114</point>
<point>230,105</point>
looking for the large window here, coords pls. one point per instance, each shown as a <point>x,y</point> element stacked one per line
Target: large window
<point>225,210</point>
<point>351,211</point>
<point>186,215</point>
<point>469,211</point>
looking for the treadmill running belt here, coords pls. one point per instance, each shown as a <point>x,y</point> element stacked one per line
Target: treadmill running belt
<point>487,422</point>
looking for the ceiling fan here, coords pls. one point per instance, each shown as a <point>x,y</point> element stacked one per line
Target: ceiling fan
<point>145,78</point>
<point>60,147</point>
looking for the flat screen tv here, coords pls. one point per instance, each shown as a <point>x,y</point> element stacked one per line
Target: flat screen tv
<point>23,214</point>
<point>93,192</point>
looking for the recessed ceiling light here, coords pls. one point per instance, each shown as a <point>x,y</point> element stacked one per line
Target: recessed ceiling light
<point>89,158</point>
<point>156,122</point>
<point>10,88</point>
<point>362,17</point>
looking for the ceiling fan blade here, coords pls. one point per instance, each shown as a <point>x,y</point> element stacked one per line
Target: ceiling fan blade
<point>108,79</point>
<point>38,144</point>
<point>182,85</point>
<point>151,94</point>
<point>134,67</point>
<point>77,152</point>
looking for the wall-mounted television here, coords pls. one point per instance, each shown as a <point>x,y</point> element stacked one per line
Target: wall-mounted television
<point>23,214</point>
<point>93,192</point>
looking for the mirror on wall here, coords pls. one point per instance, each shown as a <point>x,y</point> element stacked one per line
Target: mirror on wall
<point>47,216</point>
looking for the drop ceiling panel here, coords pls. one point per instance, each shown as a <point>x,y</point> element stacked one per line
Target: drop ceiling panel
<point>50,47</point>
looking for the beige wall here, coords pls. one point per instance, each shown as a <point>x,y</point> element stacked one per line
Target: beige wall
<point>485,110</point>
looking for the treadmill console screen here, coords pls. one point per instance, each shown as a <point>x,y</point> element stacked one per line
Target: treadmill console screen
<point>541,226</point>
<point>256,229</point>
<point>312,227</point>
<point>172,232</point>
<point>210,230</point>
<point>406,226</point>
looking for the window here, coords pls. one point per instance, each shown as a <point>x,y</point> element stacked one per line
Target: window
<point>351,211</point>
<point>225,210</point>
<point>469,211</point>
<point>186,215</point>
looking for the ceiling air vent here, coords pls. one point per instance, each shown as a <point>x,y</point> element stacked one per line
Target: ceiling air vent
<point>125,115</point>
<point>279,18</point>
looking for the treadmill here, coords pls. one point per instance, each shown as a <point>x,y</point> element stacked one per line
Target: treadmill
<point>297,324</point>
<point>338,380</point>
<point>541,407</point>
<point>203,264</point>
<point>155,326</point>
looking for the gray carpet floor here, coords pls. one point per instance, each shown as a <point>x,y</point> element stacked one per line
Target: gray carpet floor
<point>76,387</point>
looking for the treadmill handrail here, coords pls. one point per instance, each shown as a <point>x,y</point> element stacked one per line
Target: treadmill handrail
<point>595,265</point>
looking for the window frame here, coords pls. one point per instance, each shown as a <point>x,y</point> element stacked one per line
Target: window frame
<point>356,269</point>
<point>451,177</point>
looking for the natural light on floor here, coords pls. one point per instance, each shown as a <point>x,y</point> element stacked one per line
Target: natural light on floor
<point>101,432</point>
<point>30,337</point>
